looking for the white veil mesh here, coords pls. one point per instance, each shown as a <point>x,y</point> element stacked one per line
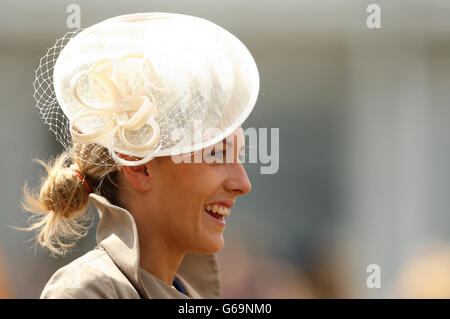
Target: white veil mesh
<point>44,92</point>
<point>142,84</point>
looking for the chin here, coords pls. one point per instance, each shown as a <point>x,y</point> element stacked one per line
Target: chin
<point>213,246</point>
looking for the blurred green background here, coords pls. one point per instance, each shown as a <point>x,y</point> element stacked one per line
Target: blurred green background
<point>364,145</point>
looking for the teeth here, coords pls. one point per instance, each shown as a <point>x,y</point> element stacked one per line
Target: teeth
<point>222,210</point>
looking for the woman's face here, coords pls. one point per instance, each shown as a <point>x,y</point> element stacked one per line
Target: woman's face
<point>180,194</point>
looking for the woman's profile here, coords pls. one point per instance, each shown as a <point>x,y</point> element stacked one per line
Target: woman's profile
<point>149,108</point>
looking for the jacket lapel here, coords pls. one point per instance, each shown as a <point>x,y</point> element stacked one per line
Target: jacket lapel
<point>117,234</point>
<point>200,274</point>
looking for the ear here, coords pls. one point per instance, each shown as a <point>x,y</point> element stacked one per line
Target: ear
<point>138,176</point>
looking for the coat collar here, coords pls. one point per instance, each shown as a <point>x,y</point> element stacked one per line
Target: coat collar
<point>117,234</point>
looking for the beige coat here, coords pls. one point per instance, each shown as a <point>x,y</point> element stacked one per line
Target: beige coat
<point>111,269</point>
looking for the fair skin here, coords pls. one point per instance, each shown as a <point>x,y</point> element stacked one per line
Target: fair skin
<point>168,200</point>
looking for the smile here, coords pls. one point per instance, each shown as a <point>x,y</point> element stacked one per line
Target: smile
<point>217,212</point>
<point>218,209</point>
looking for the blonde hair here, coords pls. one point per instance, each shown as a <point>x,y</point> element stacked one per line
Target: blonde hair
<point>60,203</point>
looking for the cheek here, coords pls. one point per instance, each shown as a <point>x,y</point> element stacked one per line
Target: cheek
<point>205,185</point>
<point>198,181</point>
<point>181,191</point>
<point>194,189</point>
<point>193,228</point>
<point>184,189</point>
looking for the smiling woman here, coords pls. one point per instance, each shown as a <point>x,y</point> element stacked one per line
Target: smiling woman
<point>170,204</point>
<point>161,221</point>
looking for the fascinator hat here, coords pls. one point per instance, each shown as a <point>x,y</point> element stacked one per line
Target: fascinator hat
<point>142,84</point>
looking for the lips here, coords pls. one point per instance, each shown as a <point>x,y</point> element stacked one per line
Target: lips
<point>216,217</point>
<point>218,209</point>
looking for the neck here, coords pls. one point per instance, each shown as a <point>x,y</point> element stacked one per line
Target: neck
<point>157,256</point>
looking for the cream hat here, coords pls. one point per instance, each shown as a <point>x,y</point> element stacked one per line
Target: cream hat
<point>142,84</point>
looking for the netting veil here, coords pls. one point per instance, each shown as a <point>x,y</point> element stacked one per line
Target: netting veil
<point>145,85</point>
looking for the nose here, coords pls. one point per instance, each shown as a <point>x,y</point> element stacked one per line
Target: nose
<point>238,182</point>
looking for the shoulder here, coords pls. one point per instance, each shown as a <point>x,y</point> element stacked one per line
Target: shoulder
<point>93,275</point>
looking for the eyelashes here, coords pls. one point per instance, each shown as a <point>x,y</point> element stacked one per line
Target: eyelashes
<point>222,154</point>
<point>218,155</point>
<point>214,152</point>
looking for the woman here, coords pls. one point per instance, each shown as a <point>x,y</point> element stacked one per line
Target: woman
<point>135,90</point>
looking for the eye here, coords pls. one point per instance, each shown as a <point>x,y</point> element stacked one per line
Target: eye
<point>214,152</point>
